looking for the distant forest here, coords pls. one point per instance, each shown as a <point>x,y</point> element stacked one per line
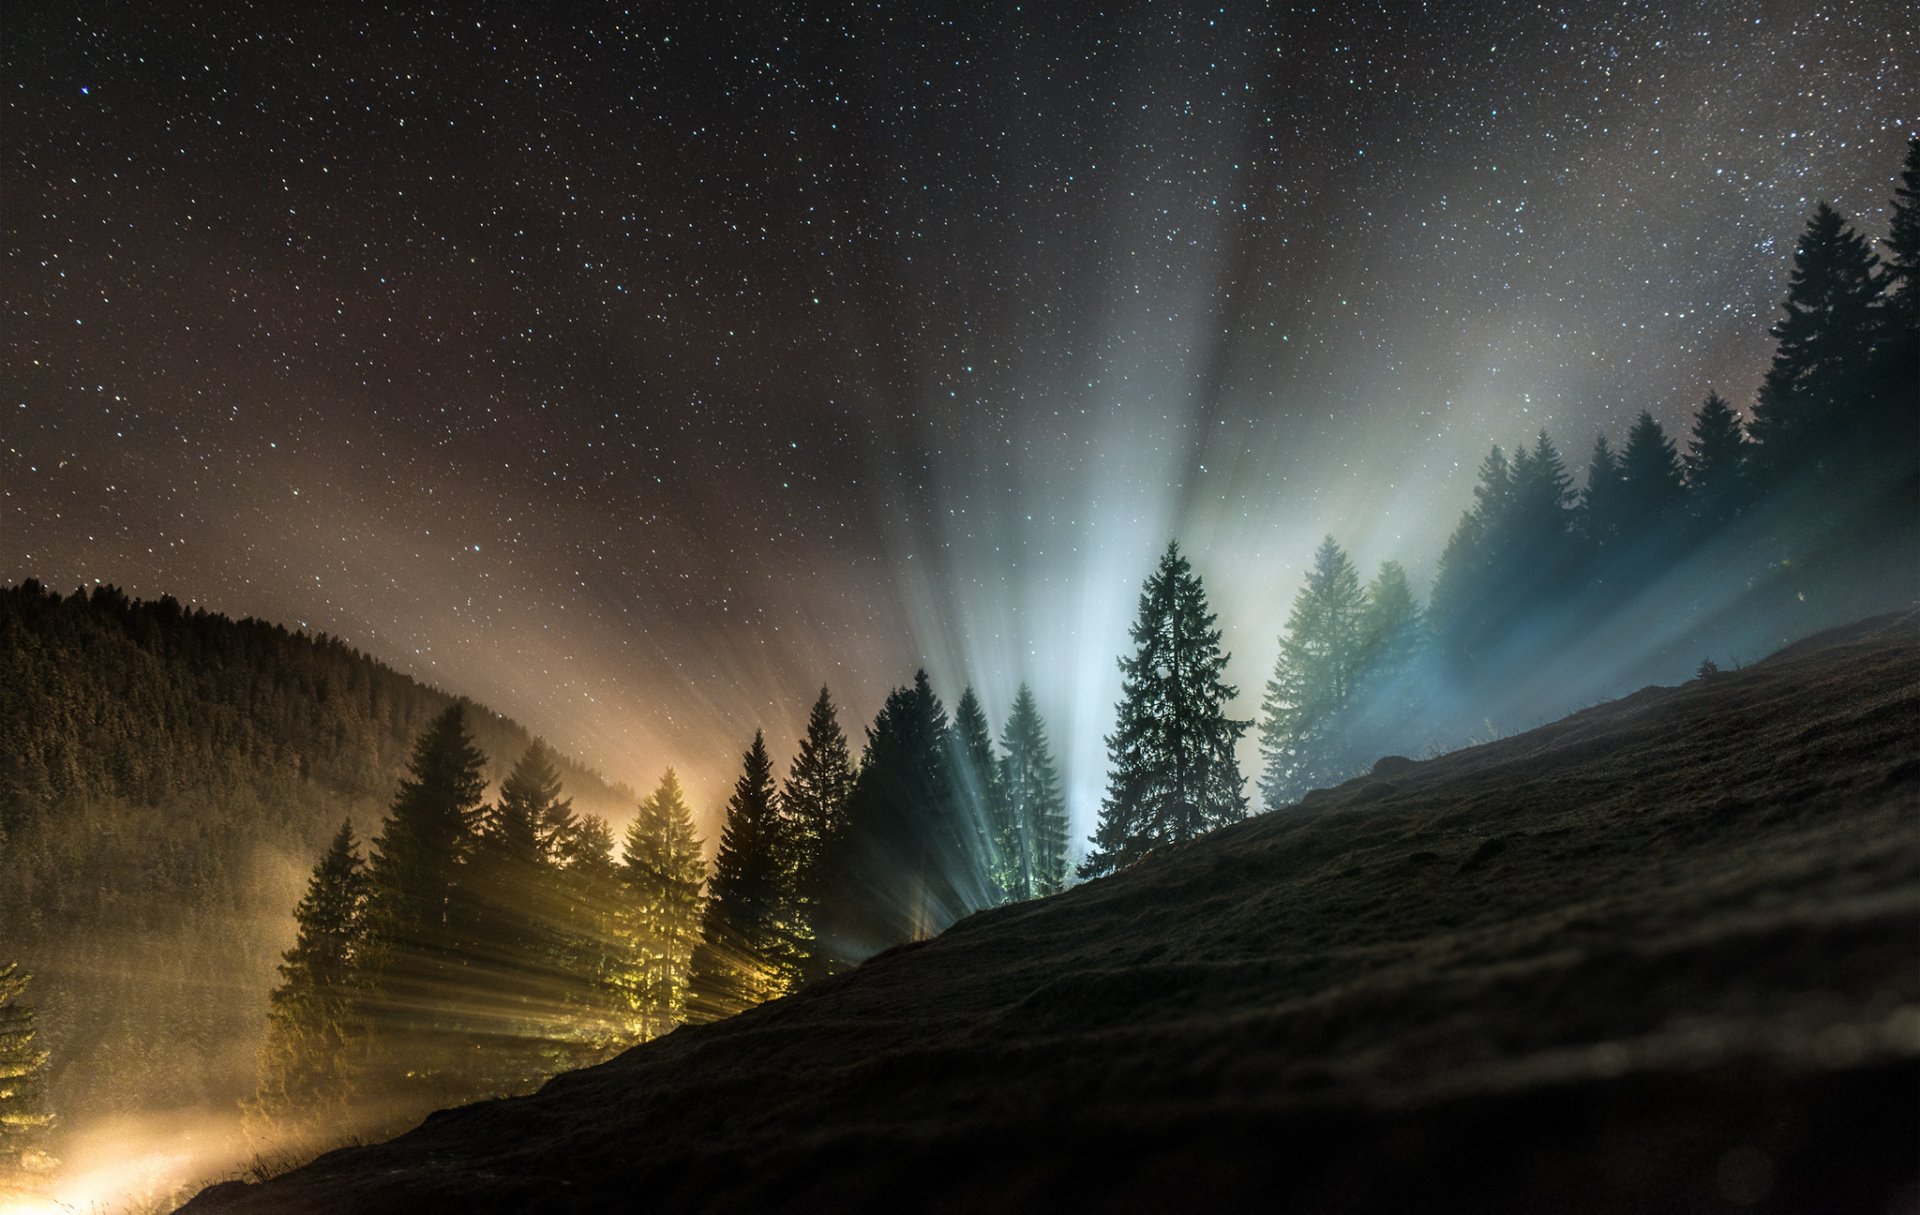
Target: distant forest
<point>158,766</point>
<point>167,776</point>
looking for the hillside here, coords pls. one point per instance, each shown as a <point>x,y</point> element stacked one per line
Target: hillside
<point>167,779</point>
<point>1658,955</point>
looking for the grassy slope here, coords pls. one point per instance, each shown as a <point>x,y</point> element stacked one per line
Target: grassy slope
<point>1658,955</point>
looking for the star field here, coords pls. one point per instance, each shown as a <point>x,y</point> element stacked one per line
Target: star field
<point>637,375</point>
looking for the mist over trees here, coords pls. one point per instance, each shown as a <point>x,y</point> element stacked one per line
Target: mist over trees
<point>1753,531</point>
<point>477,944</point>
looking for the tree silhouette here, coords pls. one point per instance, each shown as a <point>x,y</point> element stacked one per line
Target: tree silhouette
<point>899,870</point>
<point>1600,498</point>
<point>1305,723</point>
<point>1902,243</point>
<point>1715,463</point>
<point>814,802</point>
<point>1171,768</point>
<point>519,936</point>
<point>1650,481</point>
<point>23,1070</point>
<point>415,948</point>
<point>662,872</point>
<point>1464,598</point>
<point>1390,681</point>
<point>1816,382</point>
<point>1035,843</point>
<point>306,1083</point>
<point>979,805</point>
<point>739,961</point>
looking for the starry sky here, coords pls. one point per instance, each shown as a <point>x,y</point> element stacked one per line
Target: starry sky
<point>637,374</point>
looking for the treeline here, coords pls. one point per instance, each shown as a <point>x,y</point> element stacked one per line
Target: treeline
<point>167,776</point>
<point>477,948</point>
<point>1804,513</point>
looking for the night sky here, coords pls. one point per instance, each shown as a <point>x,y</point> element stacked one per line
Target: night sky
<point>638,375</point>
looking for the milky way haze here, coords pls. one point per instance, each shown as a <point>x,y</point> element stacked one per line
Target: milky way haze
<point>637,376</point>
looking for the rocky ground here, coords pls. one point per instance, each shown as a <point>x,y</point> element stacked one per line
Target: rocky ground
<point>1661,955</point>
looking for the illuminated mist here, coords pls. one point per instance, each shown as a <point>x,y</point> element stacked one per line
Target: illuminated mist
<point>727,355</point>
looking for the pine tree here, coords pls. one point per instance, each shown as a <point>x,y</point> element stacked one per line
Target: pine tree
<point>894,873</point>
<point>739,961</point>
<point>519,934</point>
<point>1389,685</point>
<point>589,955</point>
<point>1890,433</point>
<point>980,807</point>
<point>662,872</point>
<point>1172,772</point>
<point>813,802</point>
<point>1650,479</point>
<point>1715,459</point>
<point>305,1085</point>
<point>1305,723</point>
<point>1464,593</point>
<point>23,1073</point>
<point>1816,384</point>
<point>1902,243</point>
<point>1600,497</point>
<point>416,917</point>
<point>1035,843</point>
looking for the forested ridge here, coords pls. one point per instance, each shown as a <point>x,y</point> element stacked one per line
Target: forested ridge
<point>167,777</point>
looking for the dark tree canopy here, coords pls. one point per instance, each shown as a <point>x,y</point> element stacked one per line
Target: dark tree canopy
<point>1171,768</point>
<point>1824,353</point>
<point>1033,847</point>
<point>23,1069</point>
<point>1651,485</point>
<point>901,870</point>
<point>1305,717</point>
<point>980,815</point>
<point>740,960</point>
<point>417,928</point>
<point>662,872</point>
<point>306,1083</point>
<point>1715,462</point>
<point>814,802</point>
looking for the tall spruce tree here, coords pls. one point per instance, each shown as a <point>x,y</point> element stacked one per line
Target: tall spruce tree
<point>892,873</point>
<point>23,1072</point>
<point>1464,587</point>
<point>1893,421</point>
<point>980,805</point>
<point>1172,772</point>
<point>521,921</point>
<point>662,872</point>
<point>1715,460</point>
<point>1035,842</point>
<point>1902,243</point>
<point>739,961</point>
<point>813,801</point>
<point>416,977</point>
<point>589,959</point>
<point>1389,686</point>
<point>305,1085</point>
<point>1306,720</point>
<point>1652,491</point>
<point>1600,505</point>
<point>1816,386</point>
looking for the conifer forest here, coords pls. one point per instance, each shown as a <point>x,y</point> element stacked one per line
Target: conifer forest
<point>411,750</point>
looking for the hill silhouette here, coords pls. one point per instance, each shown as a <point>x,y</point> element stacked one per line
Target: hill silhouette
<point>168,777</point>
<point>1655,956</point>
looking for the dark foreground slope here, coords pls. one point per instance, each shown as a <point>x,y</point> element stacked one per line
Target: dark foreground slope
<point>1660,955</point>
